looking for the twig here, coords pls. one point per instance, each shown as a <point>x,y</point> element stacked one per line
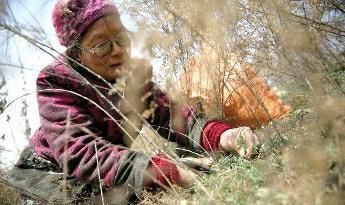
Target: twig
<point>12,135</point>
<point>337,31</point>
<point>99,175</point>
<point>50,73</point>
<point>24,192</point>
<point>2,80</point>
<point>10,103</point>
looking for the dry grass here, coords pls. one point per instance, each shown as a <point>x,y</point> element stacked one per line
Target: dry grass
<point>302,159</point>
<point>8,196</point>
<point>301,165</point>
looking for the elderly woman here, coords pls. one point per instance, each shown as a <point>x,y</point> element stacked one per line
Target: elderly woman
<point>86,130</point>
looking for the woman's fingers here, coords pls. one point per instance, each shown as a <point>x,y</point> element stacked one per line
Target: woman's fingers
<point>256,139</point>
<point>250,146</point>
<point>202,160</point>
<point>242,152</point>
<point>250,140</point>
<point>202,164</point>
<point>187,177</point>
<point>242,140</point>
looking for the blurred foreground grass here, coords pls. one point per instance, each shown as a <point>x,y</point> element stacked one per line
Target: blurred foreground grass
<point>300,162</point>
<point>8,196</point>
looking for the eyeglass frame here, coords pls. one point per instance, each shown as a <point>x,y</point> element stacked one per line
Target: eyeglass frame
<point>114,40</point>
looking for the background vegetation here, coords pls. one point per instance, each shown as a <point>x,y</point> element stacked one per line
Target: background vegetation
<point>297,46</point>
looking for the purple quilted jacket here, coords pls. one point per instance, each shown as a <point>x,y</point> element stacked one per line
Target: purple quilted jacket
<point>72,124</point>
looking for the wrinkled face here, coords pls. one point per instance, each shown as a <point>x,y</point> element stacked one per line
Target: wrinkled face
<point>104,47</point>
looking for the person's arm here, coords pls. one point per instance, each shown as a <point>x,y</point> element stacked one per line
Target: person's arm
<point>185,125</point>
<point>194,129</point>
<point>176,122</point>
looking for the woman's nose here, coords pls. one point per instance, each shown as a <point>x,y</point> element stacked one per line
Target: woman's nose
<point>116,49</point>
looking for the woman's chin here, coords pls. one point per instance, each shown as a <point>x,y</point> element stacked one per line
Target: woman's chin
<point>113,74</point>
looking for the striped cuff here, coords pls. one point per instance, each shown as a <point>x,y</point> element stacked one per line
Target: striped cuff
<point>211,135</point>
<point>163,171</point>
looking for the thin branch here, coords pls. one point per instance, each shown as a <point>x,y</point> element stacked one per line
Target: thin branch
<point>337,6</point>
<point>50,73</point>
<point>319,25</point>
<point>24,192</point>
<point>2,79</point>
<point>12,134</point>
<point>10,103</point>
<point>99,174</point>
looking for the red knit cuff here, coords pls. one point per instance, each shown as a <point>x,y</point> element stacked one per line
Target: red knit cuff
<point>163,170</point>
<point>211,133</point>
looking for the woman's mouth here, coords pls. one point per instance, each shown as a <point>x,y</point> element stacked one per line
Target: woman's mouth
<point>116,69</point>
<point>116,66</point>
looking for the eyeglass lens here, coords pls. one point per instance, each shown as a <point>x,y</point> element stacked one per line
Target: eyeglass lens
<point>106,47</point>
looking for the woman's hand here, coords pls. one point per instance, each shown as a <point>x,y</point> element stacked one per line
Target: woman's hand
<point>241,140</point>
<point>187,177</point>
<point>187,171</point>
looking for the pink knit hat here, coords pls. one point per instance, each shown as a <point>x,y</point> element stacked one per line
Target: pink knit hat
<point>72,17</point>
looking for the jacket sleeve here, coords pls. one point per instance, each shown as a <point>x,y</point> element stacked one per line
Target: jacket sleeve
<point>70,136</point>
<point>188,126</point>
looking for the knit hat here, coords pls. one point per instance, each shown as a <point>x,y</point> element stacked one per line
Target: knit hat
<point>72,17</point>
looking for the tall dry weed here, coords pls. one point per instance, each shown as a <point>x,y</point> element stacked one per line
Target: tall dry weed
<point>296,46</point>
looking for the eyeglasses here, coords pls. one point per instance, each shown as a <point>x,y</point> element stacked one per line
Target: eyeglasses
<point>102,49</point>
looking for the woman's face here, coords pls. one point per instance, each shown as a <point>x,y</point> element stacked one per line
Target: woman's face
<point>104,47</point>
